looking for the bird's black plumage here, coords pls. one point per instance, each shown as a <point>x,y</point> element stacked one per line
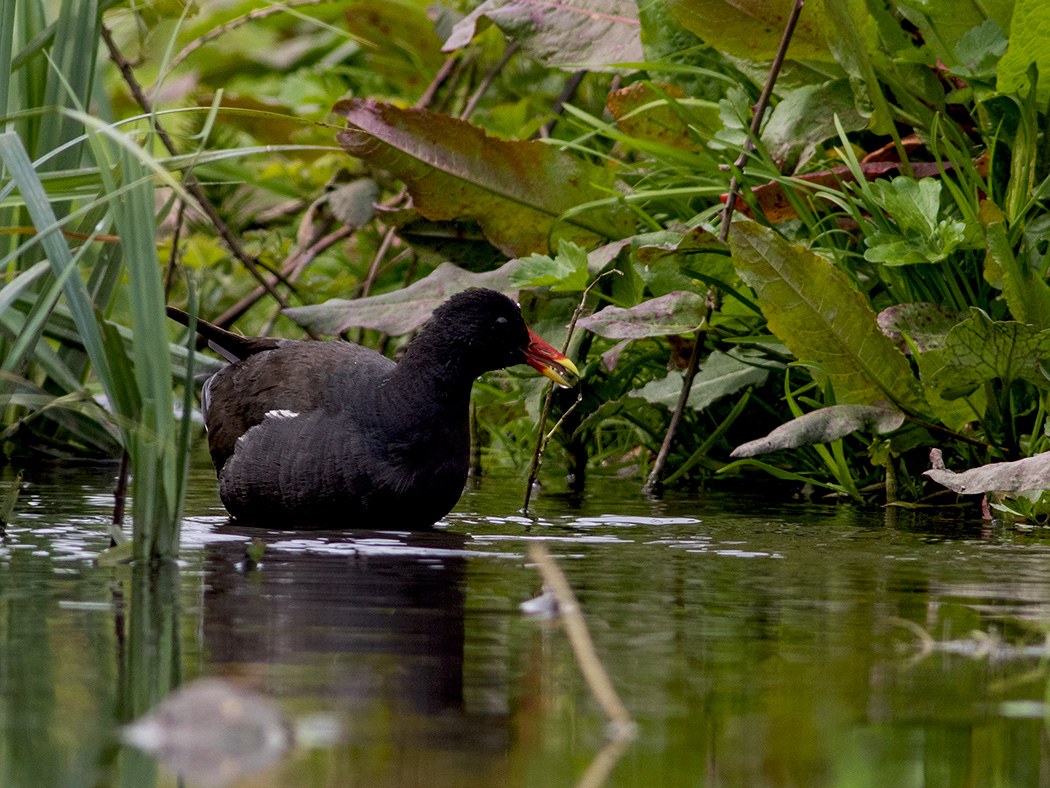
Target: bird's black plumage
<point>334,435</point>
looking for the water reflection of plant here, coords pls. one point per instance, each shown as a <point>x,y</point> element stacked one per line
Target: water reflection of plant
<point>896,261</point>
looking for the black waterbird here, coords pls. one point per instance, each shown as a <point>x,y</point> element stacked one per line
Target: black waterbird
<point>335,435</point>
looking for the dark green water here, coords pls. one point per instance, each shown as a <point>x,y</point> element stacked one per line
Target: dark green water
<point>756,644</point>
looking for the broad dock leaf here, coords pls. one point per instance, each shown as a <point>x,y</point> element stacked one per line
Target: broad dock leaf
<point>812,308</point>
<point>518,190</point>
<point>674,313</point>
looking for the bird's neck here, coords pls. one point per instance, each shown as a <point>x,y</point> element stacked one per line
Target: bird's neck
<point>433,364</point>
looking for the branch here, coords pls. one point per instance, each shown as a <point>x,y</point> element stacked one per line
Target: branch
<point>655,481</point>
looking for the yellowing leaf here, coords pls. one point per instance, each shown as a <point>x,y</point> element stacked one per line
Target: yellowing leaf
<point>812,308</point>
<point>753,28</point>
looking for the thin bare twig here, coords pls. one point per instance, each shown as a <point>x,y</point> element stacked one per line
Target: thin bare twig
<point>558,109</point>
<point>438,81</point>
<point>293,267</point>
<point>622,724</point>
<point>173,255</point>
<point>541,439</point>
<point>258,13</point>
<point>190,182</point>
<point>484,85</point>
<point>654,482</point>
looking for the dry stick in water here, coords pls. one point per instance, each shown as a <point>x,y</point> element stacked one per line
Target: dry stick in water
<point>652,485</point>
<point>541,439</point>
<point>622,724</point>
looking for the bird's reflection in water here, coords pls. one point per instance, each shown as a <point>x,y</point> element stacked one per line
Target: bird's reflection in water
<point>368,626</point>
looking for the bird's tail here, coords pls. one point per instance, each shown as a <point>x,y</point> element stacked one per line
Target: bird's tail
<point>232,347</point>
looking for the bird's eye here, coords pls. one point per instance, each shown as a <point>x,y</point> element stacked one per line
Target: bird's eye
<point>501,321</point>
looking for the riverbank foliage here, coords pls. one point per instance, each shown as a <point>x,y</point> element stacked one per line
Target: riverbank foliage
<point>336,167</point>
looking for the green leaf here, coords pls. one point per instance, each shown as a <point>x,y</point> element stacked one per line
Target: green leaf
<point>719,376</point>
<point>979,50</point>
<point>566,271</point>
<point>954,413</point>
<point>914,206</point>
<point>674,313</point>
<point>1025,290</point>
<point>22,173</point>
<point>1031,473</point>
<point>806,117</point>
<point>1029,33</point>
<point>824,426</point>
<point>402,310</point>
<point>591,34</point>
<point>753,30</point>
<point>979,350</point>
<point>812,308</point>
<point>520,192</point>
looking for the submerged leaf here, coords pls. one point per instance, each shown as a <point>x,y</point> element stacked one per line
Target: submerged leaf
<point>823,426</point>
<point>592,34</point>
<point>212,732</point>
<point>1031,473</point>
<point>519,191</point>
<point>812,308</point>
<point>403,310</point>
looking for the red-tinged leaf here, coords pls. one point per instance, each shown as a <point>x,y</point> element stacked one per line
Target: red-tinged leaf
<point>926,325</point>
<point>592,34</point>
<point>674,313</point>
<point>518,191</point>
<point>776,207</point>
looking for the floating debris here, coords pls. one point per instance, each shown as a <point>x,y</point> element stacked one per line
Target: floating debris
<point>211,732</point>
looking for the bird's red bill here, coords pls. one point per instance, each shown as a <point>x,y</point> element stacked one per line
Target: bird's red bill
<point>546,359</point>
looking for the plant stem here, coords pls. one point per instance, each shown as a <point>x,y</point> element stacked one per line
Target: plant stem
<point>654,483</point>
<point>190,182</point>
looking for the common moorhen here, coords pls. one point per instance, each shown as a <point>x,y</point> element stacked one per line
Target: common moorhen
<point>335,435</point>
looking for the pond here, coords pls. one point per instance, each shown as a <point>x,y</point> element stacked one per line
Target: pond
<point>754,642</point>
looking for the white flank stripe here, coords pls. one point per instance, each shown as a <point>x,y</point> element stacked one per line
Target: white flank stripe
<point>281,414</point>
